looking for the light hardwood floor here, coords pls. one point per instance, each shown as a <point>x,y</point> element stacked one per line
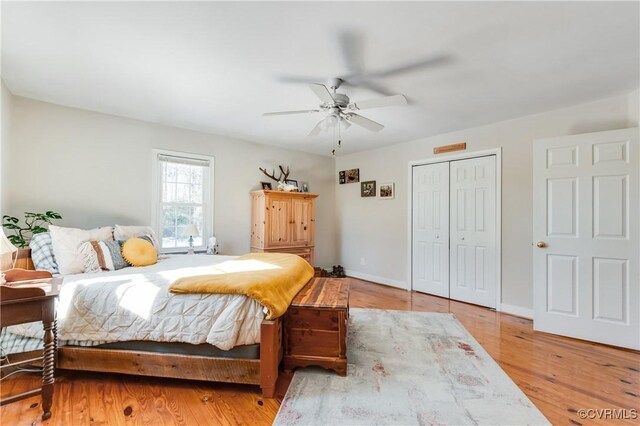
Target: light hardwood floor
<point>559,375</point>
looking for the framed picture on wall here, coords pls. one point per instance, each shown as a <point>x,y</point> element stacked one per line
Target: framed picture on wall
<point>349,176</point>
<point>353,175</point>
<point>387,191</point>
<point>368,188</point>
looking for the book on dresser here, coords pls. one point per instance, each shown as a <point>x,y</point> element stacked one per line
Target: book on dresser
<point>283,222</point>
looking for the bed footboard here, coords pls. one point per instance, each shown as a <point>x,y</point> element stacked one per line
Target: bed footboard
<point>270,355</point>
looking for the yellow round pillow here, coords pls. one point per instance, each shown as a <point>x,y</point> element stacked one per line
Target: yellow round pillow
<point>139,252</point>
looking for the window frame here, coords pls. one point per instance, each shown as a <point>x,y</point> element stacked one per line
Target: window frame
<point>207,193</point>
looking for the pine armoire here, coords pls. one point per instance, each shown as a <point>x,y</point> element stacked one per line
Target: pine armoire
<point>283,222</point>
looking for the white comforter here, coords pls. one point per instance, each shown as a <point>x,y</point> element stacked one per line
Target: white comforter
<point>135,304</point>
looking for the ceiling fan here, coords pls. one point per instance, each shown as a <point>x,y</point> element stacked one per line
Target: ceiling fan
<point>340,109</point>
<point>351,45</point>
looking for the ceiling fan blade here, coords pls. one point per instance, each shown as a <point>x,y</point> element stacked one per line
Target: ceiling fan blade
<point>364,122</point>
<point>351,47</point>
<point>316,129</point>
<point>428,62</point>
<point>395,100</point>
<point>322,93</point>
<point>375,87</point>
<point>304,111</point>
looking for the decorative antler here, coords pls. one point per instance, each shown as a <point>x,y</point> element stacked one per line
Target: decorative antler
<point>286,174</point>
<point>283,175</point>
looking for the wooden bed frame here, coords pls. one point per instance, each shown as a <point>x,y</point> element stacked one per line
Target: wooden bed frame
<point>263,371</point>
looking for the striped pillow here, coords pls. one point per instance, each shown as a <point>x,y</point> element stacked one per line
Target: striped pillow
<point>102,256</point>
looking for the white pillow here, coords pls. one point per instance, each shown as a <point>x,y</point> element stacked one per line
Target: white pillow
<point>66,245</point>
<point>123,233</point>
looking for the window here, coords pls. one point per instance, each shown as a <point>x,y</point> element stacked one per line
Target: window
<point>184,184</point>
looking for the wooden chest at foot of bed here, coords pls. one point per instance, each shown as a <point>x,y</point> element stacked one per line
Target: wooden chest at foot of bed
<point>316,326</point>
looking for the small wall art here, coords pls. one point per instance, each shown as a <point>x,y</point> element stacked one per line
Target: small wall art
<point>368,188</point>
<point>353,175</point>
<point>266,185</point>
<point>387,191</point>
<point>349,176</point>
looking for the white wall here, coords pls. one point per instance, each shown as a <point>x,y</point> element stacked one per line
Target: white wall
<point>5,124</point>
<point>95,169</point>
<point>375,230</point>
<point>634,108</point>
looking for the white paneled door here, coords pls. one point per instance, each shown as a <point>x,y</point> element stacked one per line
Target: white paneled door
<point>473,230</point>
<point>431,229</point>
<point>454,230</point>
<point>587,237</point>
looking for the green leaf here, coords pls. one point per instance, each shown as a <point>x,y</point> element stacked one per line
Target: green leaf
<point>17,241</point>
<point>33,225</point>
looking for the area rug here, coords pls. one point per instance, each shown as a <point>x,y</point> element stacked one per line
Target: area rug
<point>408,368</point>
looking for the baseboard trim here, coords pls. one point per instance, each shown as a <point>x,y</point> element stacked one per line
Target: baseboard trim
<point>504,308</point>
<point>517,311</point>
<point>376,279</point>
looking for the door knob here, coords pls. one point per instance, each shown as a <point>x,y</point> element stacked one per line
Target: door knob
<point>541,244</point>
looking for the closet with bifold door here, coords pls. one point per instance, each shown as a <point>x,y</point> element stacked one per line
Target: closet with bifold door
<point>454,230</point>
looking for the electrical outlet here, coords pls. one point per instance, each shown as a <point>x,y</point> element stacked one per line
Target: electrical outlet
<point>363,261</point>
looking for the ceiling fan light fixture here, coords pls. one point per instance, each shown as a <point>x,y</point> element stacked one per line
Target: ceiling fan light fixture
<point>340,113</point>
<point>331,120</point>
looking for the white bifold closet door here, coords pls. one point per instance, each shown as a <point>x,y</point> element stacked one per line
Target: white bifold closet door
<point>473,231</point>
<point>454,230</point>
<point>431,229</point>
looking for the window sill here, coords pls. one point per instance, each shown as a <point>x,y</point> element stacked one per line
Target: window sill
<point>185,251</point>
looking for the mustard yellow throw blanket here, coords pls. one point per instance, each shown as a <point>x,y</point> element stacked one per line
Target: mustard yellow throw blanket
<point>272,279</point>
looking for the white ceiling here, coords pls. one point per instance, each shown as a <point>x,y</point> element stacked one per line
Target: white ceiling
<point>214,66</point>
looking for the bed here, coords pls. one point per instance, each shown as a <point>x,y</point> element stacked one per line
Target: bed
<point>127,322</point>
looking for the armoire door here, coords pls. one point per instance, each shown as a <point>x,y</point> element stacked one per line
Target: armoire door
<point>279,215</point>
<point>472,195</point>
<point>586,227</point>
<point>430,262</point>
<point>302,222</point>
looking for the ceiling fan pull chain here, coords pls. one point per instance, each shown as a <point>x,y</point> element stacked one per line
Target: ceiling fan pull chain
<point>333,141</point>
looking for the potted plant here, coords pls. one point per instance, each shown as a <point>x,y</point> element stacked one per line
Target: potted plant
<point>34,223</point>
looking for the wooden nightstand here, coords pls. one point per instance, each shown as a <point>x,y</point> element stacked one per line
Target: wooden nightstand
<point>28,301</point>
<point>316,326</point>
